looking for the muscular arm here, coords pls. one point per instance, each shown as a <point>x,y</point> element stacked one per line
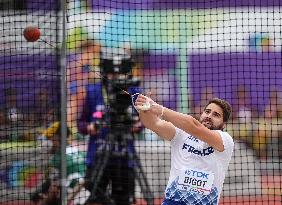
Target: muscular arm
<point>165,128</point>
<point>162,128</point>
<point>195,128</point>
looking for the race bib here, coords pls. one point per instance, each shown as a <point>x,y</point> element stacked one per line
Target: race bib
<point>196,181</point>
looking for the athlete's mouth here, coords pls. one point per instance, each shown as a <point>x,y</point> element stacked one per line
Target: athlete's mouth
<point>209,122</point>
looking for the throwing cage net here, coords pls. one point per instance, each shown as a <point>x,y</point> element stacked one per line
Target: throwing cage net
<point>59,91</point>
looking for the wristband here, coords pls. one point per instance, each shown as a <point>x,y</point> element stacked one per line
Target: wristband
<point>143,107</point>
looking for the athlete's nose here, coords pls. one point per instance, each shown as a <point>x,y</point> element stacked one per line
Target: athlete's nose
<point>209,115</point>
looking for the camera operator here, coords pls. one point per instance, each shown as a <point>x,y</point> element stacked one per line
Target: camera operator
<point>109,119</point>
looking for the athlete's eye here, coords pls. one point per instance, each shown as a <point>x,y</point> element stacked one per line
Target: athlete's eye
<point>217,115</point>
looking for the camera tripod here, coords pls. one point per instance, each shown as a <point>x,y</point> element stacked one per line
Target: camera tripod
<point>103,160</point>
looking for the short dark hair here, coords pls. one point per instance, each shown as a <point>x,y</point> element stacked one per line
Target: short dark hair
<point>225,106</point>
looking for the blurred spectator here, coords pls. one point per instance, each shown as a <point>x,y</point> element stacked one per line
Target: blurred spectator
<point>207,93</point>
<point>243,114</point>
<point>161,86</point>
<point>273,108</point>
<point>265,136</point>
<point>43,108</point>
<point>243,111</point>
<point>49,192</point>
<point>3,118</point>
<point>138,67</point>
<point>267,129</point>
<point>280,145</point>
<point>14,114</point>
<point>3,125</point>
<point>260,136</point>
<point>34,130</point>
<point>81,70</point>
<point>84,66</point>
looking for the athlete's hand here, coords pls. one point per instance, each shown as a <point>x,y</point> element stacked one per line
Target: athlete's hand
<point>144,101</point>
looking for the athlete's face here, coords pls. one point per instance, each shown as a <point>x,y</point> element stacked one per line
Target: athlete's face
<point>212,117</point>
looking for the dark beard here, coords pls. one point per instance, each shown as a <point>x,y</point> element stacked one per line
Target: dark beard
<point>220,127</point>
<point>211,127</point>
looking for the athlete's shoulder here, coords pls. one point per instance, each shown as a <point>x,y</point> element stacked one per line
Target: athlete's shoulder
<point>227,140</point>
<point>224,133</point>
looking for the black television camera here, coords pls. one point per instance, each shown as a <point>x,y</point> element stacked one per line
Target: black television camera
<point>117,79</point>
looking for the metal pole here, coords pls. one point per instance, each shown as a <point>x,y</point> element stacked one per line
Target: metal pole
<point>63,107</point>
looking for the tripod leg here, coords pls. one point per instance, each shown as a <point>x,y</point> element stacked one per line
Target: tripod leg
<point>97,173</point>
<point>143,182</point>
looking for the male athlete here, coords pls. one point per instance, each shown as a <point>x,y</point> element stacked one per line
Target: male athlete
<point>200,150</point>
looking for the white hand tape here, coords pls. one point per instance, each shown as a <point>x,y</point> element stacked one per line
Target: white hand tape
<point>144,107</point>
